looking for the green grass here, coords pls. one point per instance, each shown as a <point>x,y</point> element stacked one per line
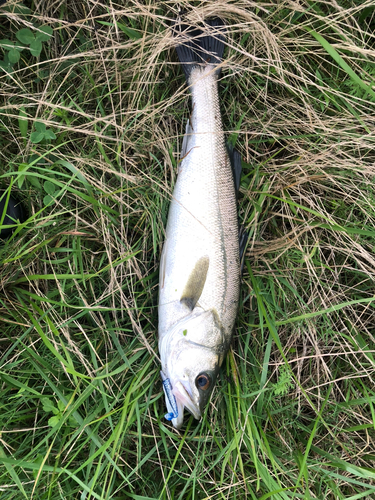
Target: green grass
<point>90,134</point>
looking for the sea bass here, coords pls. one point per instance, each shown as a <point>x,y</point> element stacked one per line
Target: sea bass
<point>200,263</point>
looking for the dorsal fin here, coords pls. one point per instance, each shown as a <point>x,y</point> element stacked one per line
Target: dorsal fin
<point>195,283</point>
<point>235,161</point>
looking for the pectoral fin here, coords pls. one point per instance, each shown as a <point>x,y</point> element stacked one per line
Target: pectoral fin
<point>195,284</point>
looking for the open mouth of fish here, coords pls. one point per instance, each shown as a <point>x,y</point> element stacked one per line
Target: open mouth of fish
<point>184,400</point>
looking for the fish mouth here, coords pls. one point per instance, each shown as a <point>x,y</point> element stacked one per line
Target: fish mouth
<point>184,400</point>
<point>177,398</point>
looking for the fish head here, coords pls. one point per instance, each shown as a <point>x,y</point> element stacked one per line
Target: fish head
<point>191,355</point>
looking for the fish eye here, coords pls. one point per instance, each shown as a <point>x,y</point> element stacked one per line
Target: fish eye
<point>203,381</point>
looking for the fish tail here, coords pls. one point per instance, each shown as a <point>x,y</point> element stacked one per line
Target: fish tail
<point>199,47</point>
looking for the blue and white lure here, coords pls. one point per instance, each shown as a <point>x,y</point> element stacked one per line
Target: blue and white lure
<point>170,398</point>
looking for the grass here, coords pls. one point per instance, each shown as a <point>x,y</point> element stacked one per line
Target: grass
<point>81,400</point>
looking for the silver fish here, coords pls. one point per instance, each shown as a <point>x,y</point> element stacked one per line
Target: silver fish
<point>200,263</point>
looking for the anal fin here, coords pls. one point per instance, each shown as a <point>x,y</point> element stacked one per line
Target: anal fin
<point>242,240</point>
<point>186,140</point>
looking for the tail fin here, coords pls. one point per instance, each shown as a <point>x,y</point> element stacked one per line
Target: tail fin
<point>197,48</point>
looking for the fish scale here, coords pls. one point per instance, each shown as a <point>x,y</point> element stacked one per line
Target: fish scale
<point>200,268</point>
<point>203,213</point>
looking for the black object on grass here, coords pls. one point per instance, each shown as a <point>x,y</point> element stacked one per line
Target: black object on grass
<point>14,213</point>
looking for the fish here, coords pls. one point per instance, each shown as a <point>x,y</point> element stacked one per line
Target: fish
<point>200,272</point>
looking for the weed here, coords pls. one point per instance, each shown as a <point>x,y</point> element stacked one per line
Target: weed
<point>93,110</point>
<point>32,42</point>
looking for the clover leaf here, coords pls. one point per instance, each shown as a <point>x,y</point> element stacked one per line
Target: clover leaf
<point>12,54</point>
<point>6,65</point>
<point>25,36</point>
<point>7,44</point>
<point>41,132</point>
<point>44,33</point>
<point>34,40</point>
<point>36,47</point>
